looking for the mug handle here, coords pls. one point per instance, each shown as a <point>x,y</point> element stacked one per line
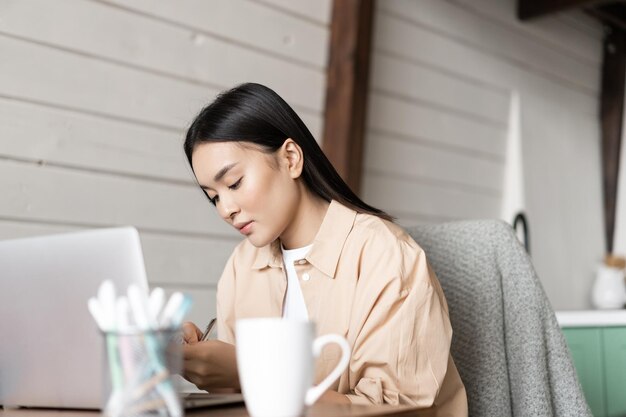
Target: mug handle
<point>315,392</point>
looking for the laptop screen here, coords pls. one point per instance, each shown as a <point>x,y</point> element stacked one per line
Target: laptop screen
<point>51,350</point>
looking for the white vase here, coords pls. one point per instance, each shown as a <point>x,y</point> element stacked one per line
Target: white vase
<point>609,291</point>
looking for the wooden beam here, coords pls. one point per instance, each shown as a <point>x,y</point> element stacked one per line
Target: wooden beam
<point>529,9</point>
<point>611,114</point>
<point>612,15</point>
<point>347,87</point>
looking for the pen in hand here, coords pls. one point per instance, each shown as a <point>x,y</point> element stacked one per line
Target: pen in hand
<point>207,331</point>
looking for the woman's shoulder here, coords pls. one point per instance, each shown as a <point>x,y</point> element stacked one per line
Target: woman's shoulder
<point>369,226</point>
<point>385,247</point>
<point>372,233</point>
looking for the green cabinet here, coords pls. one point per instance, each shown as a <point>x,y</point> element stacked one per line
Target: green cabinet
<point>586,347</point>
<point>599,354</point>
<point>614,339</point>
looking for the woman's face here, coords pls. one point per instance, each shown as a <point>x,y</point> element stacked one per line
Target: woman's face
<point>252,190</point>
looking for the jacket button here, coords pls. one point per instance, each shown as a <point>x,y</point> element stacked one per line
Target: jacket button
<point>302,261</point>
<point>306,277</point>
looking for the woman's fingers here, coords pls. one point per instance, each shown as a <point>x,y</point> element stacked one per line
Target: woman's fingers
<point>191,332</point>
<point>210,364</point>
<point>196,358</point>
<point>196,366</point>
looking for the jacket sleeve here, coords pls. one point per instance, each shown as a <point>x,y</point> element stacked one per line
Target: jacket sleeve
<point>401,351</point>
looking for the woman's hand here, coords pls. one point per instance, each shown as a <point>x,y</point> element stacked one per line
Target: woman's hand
<point>191,332</point>
<point>211,364</point>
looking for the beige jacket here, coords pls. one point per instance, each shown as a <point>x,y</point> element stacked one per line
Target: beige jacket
<point>366,279</point>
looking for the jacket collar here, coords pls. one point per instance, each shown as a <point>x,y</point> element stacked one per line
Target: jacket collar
<point>327,245</point>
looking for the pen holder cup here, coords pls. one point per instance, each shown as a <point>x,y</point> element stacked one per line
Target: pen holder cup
<point>138,373</point>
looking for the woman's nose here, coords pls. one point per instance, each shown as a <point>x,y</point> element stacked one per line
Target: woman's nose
<point>228,208</point>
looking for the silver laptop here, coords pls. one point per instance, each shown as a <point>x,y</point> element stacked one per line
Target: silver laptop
<point>51,352</point>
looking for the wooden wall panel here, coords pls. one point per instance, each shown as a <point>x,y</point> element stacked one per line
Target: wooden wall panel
<point>449,55</point>
<point>247,23</point>
<point>78,197</point>
<point>445,74</point>
<point>95,98</point>
<point>57,136</point>
<point>561,31</point>
<point>612,116</point>
<point>423,123</point>
<point>388,154</point>
<point>497,40</point>
<point>346,91</point>
<point>136,40</point>
<point>429,199</point>
<point>423,84</point>
<point>315,11</point>
<point>103,88</point>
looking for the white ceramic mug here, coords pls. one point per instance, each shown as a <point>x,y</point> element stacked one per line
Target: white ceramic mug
<point>276,359</point>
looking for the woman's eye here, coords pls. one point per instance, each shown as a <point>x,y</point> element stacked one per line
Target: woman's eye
<point>236,184</point>
<point>214,200</point>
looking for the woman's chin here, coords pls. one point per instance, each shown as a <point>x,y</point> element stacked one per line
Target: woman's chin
<point>256,241</point>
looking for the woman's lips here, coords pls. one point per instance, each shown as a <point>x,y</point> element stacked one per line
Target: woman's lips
<point>246,229</point>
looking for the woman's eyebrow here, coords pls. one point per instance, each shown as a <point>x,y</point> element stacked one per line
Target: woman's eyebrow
<point>220,174</point>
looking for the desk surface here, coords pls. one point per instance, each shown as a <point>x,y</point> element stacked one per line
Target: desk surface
<point>318,410</point>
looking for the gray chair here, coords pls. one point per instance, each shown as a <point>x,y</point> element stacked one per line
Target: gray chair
<point>507,344</point>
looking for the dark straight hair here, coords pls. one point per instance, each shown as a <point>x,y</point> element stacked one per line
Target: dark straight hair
<point>255,114</point>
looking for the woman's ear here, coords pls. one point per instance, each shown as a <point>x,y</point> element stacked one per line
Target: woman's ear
<point>292,154</point>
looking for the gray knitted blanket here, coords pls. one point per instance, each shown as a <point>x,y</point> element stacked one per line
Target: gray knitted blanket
<point>507,344</point>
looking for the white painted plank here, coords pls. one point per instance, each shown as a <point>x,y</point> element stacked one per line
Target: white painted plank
<point>244,22</point>
<point>55,136</point>
<point>414,160</point>
<point>408,221</point>
<point>62,195</point>
<point>565,205</point>
<point>402,196</point>
<point>317,10</point>
<point>147,43</point>
<point>203,308</point>
<point>559,128</point>
<point>433,126</point>
<point>15,230</point>
<point>180,260</point>
<point>583,22</point>
<point>92,85</point>
<point>560,139</point>
<point>549,29</point>
<point>395,75</point>
<point>497,40</point>
<point>170,259</point>
<point>104,88</point>
<point>421,45</point>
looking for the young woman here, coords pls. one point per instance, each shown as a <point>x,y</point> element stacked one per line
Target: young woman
<point>314,251</point>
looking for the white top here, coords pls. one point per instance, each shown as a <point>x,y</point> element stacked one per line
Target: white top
<point>294,307</point>
<point>591,318</point>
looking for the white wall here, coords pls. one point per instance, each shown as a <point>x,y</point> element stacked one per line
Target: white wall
<point>444,75</point>
<point>95,97</point>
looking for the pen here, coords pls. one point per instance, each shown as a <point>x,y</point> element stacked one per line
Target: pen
<point>205,335</point>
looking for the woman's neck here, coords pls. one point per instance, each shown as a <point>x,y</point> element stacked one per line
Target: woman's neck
<point>306,222</point>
